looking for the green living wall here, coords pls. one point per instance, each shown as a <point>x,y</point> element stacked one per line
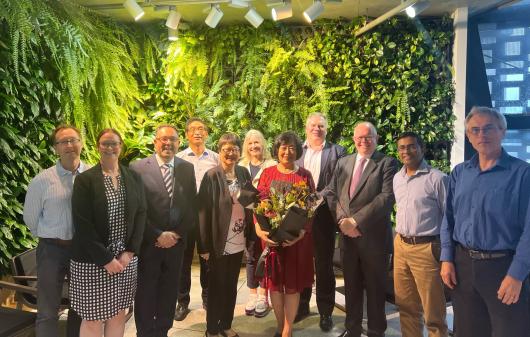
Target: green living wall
<point>62,63</point>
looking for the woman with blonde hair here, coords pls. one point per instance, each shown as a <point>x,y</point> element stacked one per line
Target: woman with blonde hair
<point>255,158</point>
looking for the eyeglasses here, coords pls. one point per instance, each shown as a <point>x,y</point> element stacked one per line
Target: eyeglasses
<point>406,148</point>
<point>488,129</point>
<point>193,129</point>
<point>68,141</point>
<point>168,139</point>
<point>230,150</point>
<point>108,145</point>
<point>367,139</point>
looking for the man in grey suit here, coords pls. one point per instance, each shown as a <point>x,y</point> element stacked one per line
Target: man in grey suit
<point>320,158</point>
<point>361,199</point>
<point>170,191</point>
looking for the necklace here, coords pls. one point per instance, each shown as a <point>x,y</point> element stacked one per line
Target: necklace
<point>286,170</point>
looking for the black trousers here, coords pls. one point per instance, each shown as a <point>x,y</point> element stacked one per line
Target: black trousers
<point>324,246</point>
<point>223,275</point>
<point>364,269</point>
<point>156,295</point>
<point>477,310</point>
<point>184,284</point>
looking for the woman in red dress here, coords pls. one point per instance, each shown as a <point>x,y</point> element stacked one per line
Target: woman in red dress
<point>292,269</point>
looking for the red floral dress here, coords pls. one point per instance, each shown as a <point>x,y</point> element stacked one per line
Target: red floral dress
<point>288,269</point>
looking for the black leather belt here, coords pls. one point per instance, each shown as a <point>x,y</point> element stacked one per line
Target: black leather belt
<point>56,241</point>
<point>416,240</point>
<point>486,254</point>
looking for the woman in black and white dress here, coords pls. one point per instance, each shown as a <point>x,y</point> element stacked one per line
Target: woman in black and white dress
<point>109,214</point>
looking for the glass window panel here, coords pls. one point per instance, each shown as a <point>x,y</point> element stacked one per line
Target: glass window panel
<point>512,64</point>
<point>518,143</point>
<point>487,55</point>
<point>512,48</point>
<point>491,72</point>
<point>512,78</point>
<point>511,110</point>
<point>488,39</point>
<point>511,93</point>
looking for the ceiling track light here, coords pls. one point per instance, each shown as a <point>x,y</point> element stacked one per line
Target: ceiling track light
<point>282,12</point>
<point>238,4</point>
<point>314,11</point>
<point>173,18</point>
<point>134,9</point>
<point>254,18</point>
<point>172,34</point>
<point>214,16</point>
<point>417,8</point>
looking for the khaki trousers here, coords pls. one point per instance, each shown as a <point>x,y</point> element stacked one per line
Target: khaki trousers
<point>419,288</point>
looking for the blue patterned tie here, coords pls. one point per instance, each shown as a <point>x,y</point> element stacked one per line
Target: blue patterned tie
<point>166,175</point>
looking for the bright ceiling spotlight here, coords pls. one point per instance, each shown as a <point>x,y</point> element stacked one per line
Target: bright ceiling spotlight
<point>238,3</point>
<point>314,11</point>
<point>282,12</point>
<point>173,18</point>
<point>417,8</point>
<point>134,9</point>
<point>172,34</point>
<point>254,18</point>
<point>214,16</point>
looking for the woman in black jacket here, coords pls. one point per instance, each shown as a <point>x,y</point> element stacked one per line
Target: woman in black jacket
<point>109,213</point>
<point>223,225</point>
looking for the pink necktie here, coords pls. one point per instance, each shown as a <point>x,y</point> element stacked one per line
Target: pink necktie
<point>357,176</point>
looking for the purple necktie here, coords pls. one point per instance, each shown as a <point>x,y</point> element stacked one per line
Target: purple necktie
<point>357,176</point>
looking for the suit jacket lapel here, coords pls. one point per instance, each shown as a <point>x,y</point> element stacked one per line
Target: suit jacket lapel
<point>345,183</point>
<point>156,172</point>
<point>325,158</point>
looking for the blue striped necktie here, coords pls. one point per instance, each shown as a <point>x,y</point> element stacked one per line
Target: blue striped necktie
<point>166,175</point>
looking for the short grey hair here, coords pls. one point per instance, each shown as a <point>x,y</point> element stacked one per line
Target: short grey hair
<point>482,110</point>
<point>317,114</point>
<point>372,128</point>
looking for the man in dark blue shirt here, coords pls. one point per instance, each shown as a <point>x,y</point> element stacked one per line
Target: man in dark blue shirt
<point>486,234</point>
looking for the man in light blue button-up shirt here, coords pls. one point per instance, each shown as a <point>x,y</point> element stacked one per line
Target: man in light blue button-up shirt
<point>48,214</point>
<point>420,192</point>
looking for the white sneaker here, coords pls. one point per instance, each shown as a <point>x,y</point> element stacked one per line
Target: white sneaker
<point>251,304</point>
<point>262,307</point>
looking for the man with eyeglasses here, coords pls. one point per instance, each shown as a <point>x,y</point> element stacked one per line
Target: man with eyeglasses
<point>169,186</point>
<point>202,159</point>
<point>361,200</point>
<point>48,214</point>
<point>420,192</point>
<point>486,234</point>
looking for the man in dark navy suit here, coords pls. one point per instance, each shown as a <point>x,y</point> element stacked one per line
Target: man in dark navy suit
<point>170,192</point>
<point>320,158</point>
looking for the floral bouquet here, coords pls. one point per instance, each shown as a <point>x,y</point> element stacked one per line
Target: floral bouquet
<point>287,210</point>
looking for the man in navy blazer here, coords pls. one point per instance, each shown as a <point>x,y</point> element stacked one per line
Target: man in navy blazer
<point>320,158</point>
<point>361,200</point>
<point>170,191</point>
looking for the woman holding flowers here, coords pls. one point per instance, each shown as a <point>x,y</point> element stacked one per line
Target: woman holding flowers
<point>223,231</point>
<point>255,157</point>
<point>289,265</point>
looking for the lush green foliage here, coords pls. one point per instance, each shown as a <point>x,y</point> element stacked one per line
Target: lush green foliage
<point>59,62</point>
<point>237,78</point>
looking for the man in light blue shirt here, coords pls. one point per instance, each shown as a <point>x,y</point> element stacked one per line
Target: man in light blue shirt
<point>420,192</point>
<point>486,234</point>
<point>202,159</point>
<point>48,214</point>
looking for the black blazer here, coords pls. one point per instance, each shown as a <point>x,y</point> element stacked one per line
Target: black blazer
<point>91,218</point>
<point>215,209</point>
<point>164,214</point>
<point>331,153</point>
<point>372,202</point>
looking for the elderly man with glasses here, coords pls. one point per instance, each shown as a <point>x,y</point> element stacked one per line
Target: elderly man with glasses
<point>486,234</point>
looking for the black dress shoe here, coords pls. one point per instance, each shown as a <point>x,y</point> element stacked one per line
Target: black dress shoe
<point>346,333</point>
<point>181,312</point>
<point>326,323</point>
<point>301,314</point>
<point>277,334</point>
<point>222,333</point>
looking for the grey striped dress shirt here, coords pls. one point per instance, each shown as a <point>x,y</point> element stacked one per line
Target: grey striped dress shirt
<point>48,206</point>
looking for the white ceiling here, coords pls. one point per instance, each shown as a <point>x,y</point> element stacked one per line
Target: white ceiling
<point>194,10</point>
